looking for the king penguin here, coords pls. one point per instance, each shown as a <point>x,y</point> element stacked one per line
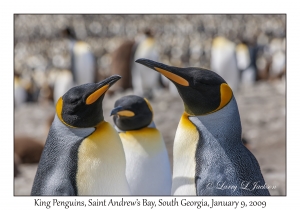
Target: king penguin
<point>83,68</point>
<point>223,61</point>
<point>145,84</point>
<point>83,61</point>
<point>208,151</point>
<point>83,154</point>
<point>20,94</point>
<point>246,53</point>
<point>148,168</point>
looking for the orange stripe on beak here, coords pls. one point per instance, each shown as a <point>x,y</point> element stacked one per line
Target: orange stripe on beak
<point>97,94</point>
<point>173,77</point>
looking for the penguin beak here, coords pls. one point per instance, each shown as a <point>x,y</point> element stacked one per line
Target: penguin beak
<point>149,63</point>
<point>170,72</point>
<point>121,112</point>
<point>101,88</point>
<point>110,80</point>
<point>116,110</point>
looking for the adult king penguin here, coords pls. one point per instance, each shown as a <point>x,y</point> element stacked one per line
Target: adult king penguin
<point>223,61</point>
<point>145,84</point>
<point>83,154</point>
<point>83,61</point>
<point>83,68</point>
<point>148,168</point>
<point>208,150</point>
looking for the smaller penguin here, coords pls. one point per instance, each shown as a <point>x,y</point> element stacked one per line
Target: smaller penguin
<point>83,154</point>
<point>148,168</point>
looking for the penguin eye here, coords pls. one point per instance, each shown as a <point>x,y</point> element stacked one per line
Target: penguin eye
<point>72,99</point>
<point>76,101</point>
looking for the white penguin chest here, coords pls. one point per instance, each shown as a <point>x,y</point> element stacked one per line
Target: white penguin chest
<point>147,164</point>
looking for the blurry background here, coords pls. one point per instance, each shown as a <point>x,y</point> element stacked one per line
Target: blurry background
<point>52,53</point>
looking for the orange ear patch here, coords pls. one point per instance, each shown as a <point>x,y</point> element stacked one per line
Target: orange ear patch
<point>94,96</point>
<point>226,95</point>
<point>59,106</point>
<point>149,105</point>
<point>173,77</point>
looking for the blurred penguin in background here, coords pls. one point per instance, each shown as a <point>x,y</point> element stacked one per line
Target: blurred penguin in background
<point>20,94</point>
<point>246,54</point>
<point>27,149</point>
<point>145,82</point>
<point>277,68</point>
<point>61,80</point>
<point>83,64</point>
<point>82,69</point>
<point>25,88</point>
<point>41,85</point>
<point>271,60</point>
<point>223,61</point>
<point>122,60</point>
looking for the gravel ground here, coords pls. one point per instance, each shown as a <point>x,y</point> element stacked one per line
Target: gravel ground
<point>262,111</point>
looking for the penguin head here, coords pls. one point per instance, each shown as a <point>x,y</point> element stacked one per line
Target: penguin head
<point>202,91</point>
<point>132,113</point>
<point>81,106</point>
<point>68,33</point>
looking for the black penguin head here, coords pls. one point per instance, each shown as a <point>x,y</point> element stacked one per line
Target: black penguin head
<point>132,113</point>
<point>81,106</point>
<point>68,33</point>
<point>202,91</point>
